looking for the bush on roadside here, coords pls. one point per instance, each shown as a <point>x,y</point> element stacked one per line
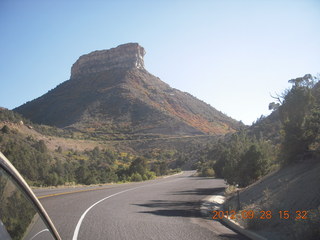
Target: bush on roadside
<point>150,175</point>
<point>136,177</point>
<point>207,172</point>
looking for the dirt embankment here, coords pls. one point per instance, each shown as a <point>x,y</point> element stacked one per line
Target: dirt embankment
<point>295,189</point>
<point>53,142</point>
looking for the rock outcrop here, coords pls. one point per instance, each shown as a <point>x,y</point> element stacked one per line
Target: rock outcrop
<point>128,55</point>
<point>110,92</point>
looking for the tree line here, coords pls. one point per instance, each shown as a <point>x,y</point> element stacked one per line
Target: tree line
<point>41,167</point>
<point>241,159</point>
<point>288,135</point>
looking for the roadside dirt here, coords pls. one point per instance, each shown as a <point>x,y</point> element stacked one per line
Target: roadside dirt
<point>295,189</point>
<point>53,142</point>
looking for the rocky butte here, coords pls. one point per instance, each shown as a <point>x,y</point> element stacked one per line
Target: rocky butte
<point>128,55</point>
<point>110,92</point>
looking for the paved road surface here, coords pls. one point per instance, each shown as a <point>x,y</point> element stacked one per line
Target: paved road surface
<point>165,209</point>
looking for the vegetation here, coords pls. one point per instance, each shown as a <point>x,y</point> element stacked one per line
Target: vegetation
<point>299,115</point>
<point>239,160</point>
<point>289,134</point>
<point>42,167</point>
<point>15,209</point>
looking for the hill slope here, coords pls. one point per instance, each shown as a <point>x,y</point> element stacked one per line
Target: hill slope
<point>110,92</point>
<point>294,188</point>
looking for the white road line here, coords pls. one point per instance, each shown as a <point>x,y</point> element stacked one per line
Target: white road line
<point>76,231</point>
<point>44,230</point>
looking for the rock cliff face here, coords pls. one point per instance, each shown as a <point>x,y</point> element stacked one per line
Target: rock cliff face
<point>110,92</point>
<point>128,55</point>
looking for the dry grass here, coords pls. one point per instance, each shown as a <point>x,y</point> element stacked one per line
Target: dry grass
<point>53,142</point>
<point>294,188</point>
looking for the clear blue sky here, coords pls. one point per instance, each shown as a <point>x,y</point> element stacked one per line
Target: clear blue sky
<point>230,54</point>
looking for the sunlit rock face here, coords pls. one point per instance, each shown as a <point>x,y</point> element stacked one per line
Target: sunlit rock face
<point>111,92</point>
<point>128,55</point>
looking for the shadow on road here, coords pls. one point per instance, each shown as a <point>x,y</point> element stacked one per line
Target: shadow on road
<point>233,236</point>
<point>189,208</point>
<point>201,178</point>
<point>200,191</point>
<point>172,208</point>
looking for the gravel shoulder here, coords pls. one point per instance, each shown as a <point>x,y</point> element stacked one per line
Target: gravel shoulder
<point>294,189</point>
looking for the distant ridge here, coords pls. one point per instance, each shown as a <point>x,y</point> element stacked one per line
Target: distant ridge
<point>110,91</point>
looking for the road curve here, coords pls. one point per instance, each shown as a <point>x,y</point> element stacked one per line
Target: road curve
<point>165,209</point>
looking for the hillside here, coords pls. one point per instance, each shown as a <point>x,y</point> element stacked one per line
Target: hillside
<point>55,138</point>
<point>111,92</point>
<point>48,155</point>
<point>269,127</point>
<point>274,166</point>
<point>294,188</point>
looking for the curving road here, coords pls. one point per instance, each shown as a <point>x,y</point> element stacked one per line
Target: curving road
<point>165,208</point>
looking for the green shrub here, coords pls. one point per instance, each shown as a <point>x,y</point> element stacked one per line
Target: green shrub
<point>136,177</point>
<point>207,172</point>
<point>5,129</point>
<point>151,175</point>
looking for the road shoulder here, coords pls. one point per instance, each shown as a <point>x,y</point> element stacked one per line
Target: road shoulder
<point>215,203</point>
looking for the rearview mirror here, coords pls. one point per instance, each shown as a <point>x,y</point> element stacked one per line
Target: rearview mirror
<point>21,214</point>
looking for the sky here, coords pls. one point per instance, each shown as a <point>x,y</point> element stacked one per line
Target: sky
<point>232,54</point>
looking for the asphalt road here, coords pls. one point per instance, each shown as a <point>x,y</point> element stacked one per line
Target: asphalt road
<point>165,208</point>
